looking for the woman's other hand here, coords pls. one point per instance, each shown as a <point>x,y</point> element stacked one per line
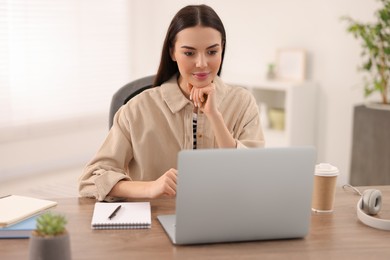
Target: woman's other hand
<point>165,185</point>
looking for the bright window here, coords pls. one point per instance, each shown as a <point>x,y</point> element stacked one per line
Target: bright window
<point>61,59</point>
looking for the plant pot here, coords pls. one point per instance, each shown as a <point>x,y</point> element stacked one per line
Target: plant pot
<point>47,248</point>
<point>377,105</point>
<point>370,164</point>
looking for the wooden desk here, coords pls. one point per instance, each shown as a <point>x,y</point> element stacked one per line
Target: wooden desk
<point>339,235</point>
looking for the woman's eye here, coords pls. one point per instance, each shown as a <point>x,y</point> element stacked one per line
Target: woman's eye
<point>188,53</point>
<point>212,52</point>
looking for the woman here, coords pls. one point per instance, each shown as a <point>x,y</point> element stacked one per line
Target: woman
<point>191,108</point>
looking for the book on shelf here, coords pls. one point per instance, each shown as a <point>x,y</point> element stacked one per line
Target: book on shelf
<point>15,208</point>
<point>121,215</point>
<point>21,229</point>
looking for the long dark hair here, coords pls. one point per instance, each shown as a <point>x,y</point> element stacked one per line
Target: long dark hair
<point>189,16</point>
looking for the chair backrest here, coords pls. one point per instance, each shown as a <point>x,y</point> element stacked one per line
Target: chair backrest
<point>126,93</point>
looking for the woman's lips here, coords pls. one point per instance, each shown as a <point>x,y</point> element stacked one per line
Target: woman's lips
<point>201,75</point>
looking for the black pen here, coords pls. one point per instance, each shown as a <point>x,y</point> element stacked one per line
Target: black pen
<point>114,212</point>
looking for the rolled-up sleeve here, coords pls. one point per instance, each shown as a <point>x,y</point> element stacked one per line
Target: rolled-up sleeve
<point>109,165</point>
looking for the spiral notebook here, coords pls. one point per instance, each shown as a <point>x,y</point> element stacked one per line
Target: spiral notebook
<point>131,215</point>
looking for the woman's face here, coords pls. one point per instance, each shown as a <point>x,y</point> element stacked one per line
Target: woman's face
<point>198,53</point>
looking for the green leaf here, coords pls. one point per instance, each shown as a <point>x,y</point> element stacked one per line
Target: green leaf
<point>378,86</point>
<point>49,224</point>
<point>367,65</point>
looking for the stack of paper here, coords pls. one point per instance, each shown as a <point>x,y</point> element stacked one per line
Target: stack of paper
<point>21,229</point>
<point>18,214</point>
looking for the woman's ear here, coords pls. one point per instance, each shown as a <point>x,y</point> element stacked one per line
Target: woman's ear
<point>171,54</point>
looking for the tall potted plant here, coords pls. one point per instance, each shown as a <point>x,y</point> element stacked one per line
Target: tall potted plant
<point>371,135</point>
<point>375,43</point>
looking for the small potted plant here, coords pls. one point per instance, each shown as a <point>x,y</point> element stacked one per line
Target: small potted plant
<point>375,42</point>
<point>50,239</point>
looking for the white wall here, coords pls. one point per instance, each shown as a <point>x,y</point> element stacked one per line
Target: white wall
<point>255,30</point>
<point>50,147</point>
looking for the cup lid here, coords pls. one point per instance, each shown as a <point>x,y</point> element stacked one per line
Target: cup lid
<point>326,169</point>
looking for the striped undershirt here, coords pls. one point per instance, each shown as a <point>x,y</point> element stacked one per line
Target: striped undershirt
<point>194,123</point>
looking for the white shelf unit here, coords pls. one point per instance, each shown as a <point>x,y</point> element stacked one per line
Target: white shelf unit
<point>298,100</point>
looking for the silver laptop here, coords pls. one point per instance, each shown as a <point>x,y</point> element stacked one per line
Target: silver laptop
<point>227,195</point>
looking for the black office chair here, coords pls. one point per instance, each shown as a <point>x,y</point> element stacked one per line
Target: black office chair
<point>127,92</point>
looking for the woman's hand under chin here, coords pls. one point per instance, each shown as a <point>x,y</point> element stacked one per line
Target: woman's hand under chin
<point>203,98</point>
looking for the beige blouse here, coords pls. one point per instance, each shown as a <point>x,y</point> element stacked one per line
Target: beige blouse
<point>150,130</point>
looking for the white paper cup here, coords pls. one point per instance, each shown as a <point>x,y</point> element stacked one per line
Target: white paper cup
<point>325,177</point>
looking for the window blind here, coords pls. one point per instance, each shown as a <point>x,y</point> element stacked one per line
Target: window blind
<point>61,59</point>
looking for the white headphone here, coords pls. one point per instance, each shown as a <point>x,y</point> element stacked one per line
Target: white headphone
<point>369,205</point>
